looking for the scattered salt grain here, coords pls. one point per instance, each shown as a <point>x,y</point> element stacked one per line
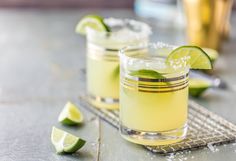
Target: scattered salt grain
<point>212,148</point>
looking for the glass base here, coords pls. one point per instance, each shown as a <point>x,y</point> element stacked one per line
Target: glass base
<point>154,138</point>
<point>102,102</point>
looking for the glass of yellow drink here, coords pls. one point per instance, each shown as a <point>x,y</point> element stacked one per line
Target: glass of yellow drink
<point>153,95</point>
<point>103,60</point>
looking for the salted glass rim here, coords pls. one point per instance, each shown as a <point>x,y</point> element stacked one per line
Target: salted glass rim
<point>123,54</point>
<point>145,30</point>
<point>156,45</point>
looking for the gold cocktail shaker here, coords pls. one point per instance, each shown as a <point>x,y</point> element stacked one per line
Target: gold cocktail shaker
<point>207,21</point>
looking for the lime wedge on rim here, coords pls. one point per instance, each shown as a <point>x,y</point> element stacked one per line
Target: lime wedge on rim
<point>65,142</point>
<point>70,115</point>
<point>146,73</point>
<point>197,86</point>
<point>213,54</point>
<point>196,58</point>
<point>92,21</point>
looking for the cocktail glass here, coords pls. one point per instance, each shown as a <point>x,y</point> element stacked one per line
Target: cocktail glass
<point>153,95</point>
<point>103,60</point>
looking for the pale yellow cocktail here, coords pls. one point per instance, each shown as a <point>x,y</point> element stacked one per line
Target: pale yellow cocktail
<point>153,98</point>
<point>103,60</point>
<point>102,78</point>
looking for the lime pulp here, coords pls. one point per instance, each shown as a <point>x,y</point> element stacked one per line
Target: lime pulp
<point>94,22</point>
<point>70,115</point>
<point>193,56</point>
<point>65,142</point>
<point>197,86</point>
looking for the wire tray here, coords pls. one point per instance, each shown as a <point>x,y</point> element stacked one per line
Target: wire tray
<point>205,128</point>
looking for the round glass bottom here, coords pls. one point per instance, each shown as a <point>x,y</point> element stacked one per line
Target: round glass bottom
<point>104,102</point>
<point>154,138</point>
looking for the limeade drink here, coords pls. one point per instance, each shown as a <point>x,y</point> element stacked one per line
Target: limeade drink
<point>155,104</point>
<point>154,91</point>
<point>103,81</point>
<point>103,60</point>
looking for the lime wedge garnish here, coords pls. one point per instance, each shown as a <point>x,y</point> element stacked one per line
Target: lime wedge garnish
<point>146,73</point>
<point>213,54</point>
<point>194,56</point>
<point>65,142</point>
<point>70,115</point>
<point>197,86</point>
<point>92,21</point>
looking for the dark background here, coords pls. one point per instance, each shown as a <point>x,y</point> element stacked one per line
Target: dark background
<point>70,3</point>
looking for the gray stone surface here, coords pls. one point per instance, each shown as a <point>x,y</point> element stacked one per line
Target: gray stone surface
<point>40,62</point>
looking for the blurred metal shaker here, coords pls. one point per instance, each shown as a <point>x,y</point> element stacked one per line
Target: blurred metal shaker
<point>207,21</point>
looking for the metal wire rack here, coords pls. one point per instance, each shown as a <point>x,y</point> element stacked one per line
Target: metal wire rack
<point>205,128</point>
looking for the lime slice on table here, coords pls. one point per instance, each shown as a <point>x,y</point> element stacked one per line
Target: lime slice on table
<point>70,115</point>
<point>92,21</point>
<point>197,86</point>
<point>213,54</point>
<point>146,73</point>
<point>194,56</point>
<point>65,142</point>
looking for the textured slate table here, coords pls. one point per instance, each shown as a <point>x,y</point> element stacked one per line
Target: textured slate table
<point>40,62</point>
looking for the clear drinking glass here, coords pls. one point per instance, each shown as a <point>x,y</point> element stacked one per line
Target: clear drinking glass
<point>103,60</point>
<point>153,95</point>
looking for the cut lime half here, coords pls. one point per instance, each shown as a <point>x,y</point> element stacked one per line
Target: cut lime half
<point>213,54</point>
<point>193,56</point>
<point>65,142</point>
<point>70,115</point>
<point>197,86</point>
<point>91,21</point>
